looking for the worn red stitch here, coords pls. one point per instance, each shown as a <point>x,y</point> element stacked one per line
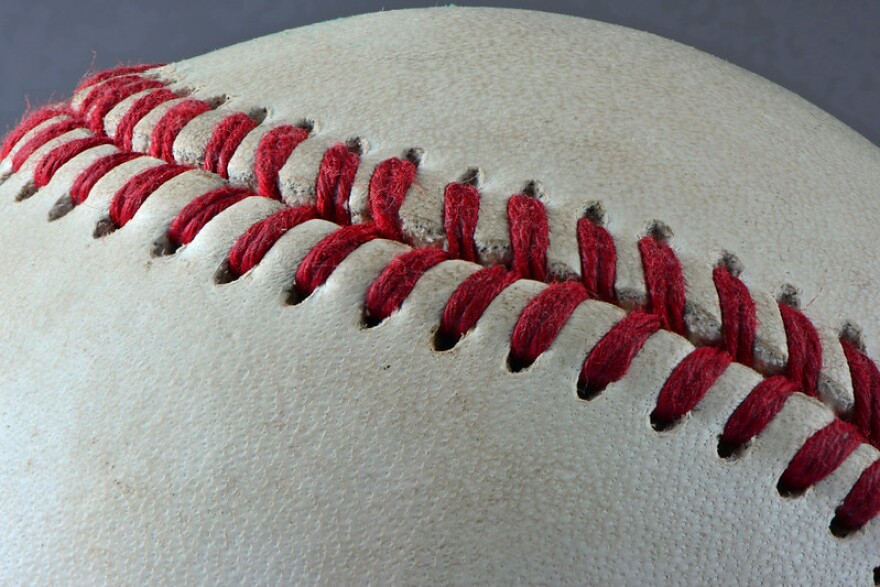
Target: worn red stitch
<point>865,376</point>
<point>391,180</point>
<point>274,151</point>
<point>52,162</point>
<point>116,72</point>
<point>819,456</point>
<point>172,122</point>
<point>738,318</point>
<point>804,350</point>
<point>471,298</point>
<point>131,196</point>
<point>688,384</point>
<point>42,137</point>
<point>98,92</point>
<point>111,95</point>
<point>598,260</point>
<point>664,281</point>
<point>333,185</point>
<point>529,236</point>
<point>29,123</point>
<point>86,180</point>
<point>614,353</point>
<point>324,257</point>
<point>250,248</point>
<point>141,107</point>
<point>542,319</point>
<point>225,139</point>
<point>397,280</point>
<point>195,215</point>
<point>757,410</point>
<point>461,209</point>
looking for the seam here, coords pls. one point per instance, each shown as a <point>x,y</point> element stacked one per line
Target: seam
<point>540,322</point>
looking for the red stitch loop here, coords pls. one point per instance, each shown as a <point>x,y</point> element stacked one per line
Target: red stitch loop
<point>688,384</point>
<point>51,163</point>
<point>274,151</point>
<point>195,215</point>
<point>169,126</point>
<point>110,94</point>
<point>227,136</point>
<point>865,376</point>
<point>664,281</point>
<point>333,186</point>
<point>252,246</point>
<point>470,300</point>
<point>820,455</point>
<point>391,180</point>
<point>738,318</point>
<point>461,210</point>
<point>131,196</point>
<point>141,107</point>
<point>116,72</point>
<point>612,356</point>
<point>29,123</point>
<point>598,260</point>
<point>49,133</point>
<point>529,236</point>
<point>861,504</point>
<point>804,350</point>
<point>397,281</point>
<point>541,320</point>
<point>323,259</point>
<point>83,185</point>
<point>756,411</point>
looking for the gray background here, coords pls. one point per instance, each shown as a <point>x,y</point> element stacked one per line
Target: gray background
<point>828,51</point>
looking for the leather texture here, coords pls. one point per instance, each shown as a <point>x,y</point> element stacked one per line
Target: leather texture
<point>160,428</point>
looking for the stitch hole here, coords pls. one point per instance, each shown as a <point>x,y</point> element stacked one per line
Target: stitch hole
<point>224,274</point>
<point>164,246</point>
<point>876,575</point>
<point>443,341</point>
<point>4,176</point>
<point>217,101</point>
<point>61,208</point>
<point>307,125</point>
<point>788,492</point>
<point>587,391</point>
<point>27,191</point>
<point>661,425</point>
<point>730,451</point>
<point>355,145</point>
<point>368,320</point>
<point>595,213</point>
<point>839,530</point>
<point>414,156</point>
<point>258,115</point>
<point>104,228</point>
<point>472,177</point>
<point>533,189</point>
<point>292,296</point>
<point>515,365</point>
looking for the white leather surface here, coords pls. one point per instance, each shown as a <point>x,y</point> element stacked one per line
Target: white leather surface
<point>157,427</point>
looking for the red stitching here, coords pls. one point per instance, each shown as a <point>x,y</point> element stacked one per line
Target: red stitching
<point>51,163</point>
<point>866,389</point>
<point>819,456</point>
<point>757,411</point>
<point>29,123</point>
<point>195,215</point>
<point>397,281</point>
<point>109,95</point>
<point>86,180</point>
<point>598,260</point>
<point>470,299</point>
<point>461,209</point>
<point>103,76</point>
<point>611,357</point>
<point>391,180</point>
<point>132,195</point>
<point>664,281</point>
<point>42,137</point>
<point>324,257</point>
<point>227,136</point>
<point>738,316</point>
<point>141,107</point>
<point>542,319</point>
<point>250,248</point>
<point>804,350</point>
<point>529,236</point>
<point>274,151</point>
<point>861,504</point>
<point>333,186</point>
<point>170,125</point>
<point>688,384</point>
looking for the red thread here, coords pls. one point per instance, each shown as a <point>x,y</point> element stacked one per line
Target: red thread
<point>757,410</point>
<point>51,163</point>
<point>738,318</point>
<point>397,281</point>
<point>116,72</point>
<point>195,215</point>
<point>529,236</point>
<point>172,122</point>
<point>598,260</point>
<point>252,246</point>
<point>865,376</point>
<point>862,503</point>
<point>391,180</point>
<point>688,384</point>
<point>542,319</point>
<point>141,107</point>
<point>664,281</point>
<point>804,350</point>
<point>131,196</point>
<point>273,152</point>
<point>324,257</point>
<point>42,137</point>
<point>471,298</point>
<point>612,356</point>
<point>29,123</point>
<point>461,210</point>
<point>86,180</point>
<point>227,136</point>
<point>820,455</point>
<point>333,185</point>
<point>110,94</point>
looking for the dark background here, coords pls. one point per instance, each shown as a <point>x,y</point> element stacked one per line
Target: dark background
<point>828,51</point>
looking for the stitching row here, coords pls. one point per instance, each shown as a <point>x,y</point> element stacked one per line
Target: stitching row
<point>540,321</point>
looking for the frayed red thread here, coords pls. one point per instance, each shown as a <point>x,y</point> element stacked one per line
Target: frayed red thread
<point>42,137</point>
<point>688,384</point>
<point>819,456</point>
<point>86,180</point>
<point>333,185</point>
<point>29,123</point>
<point>529,236</point>
<point>865,376</point>
<point>250,248</point>
<point>141,107</point>
<point>105,75</point>
<point>542,319</point>
<point>391,180</point>
<point>51,163</point>
<point>397,281</point>
<point>195,215</point>
<point>169,126</point>
<point>598,260</point>
<point>274,151</point>
<point>738,317</point>
<point>757,410</point>
<point>323,258</point>
<point>471,298</point>
<point>804,350</point>
<point>612,356</point>
<point>112,94</point>
<point>664,281</point>
<point>225,139</point>
<point>131,196</point>
<point>862,503</point>
<point>461,210</point>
